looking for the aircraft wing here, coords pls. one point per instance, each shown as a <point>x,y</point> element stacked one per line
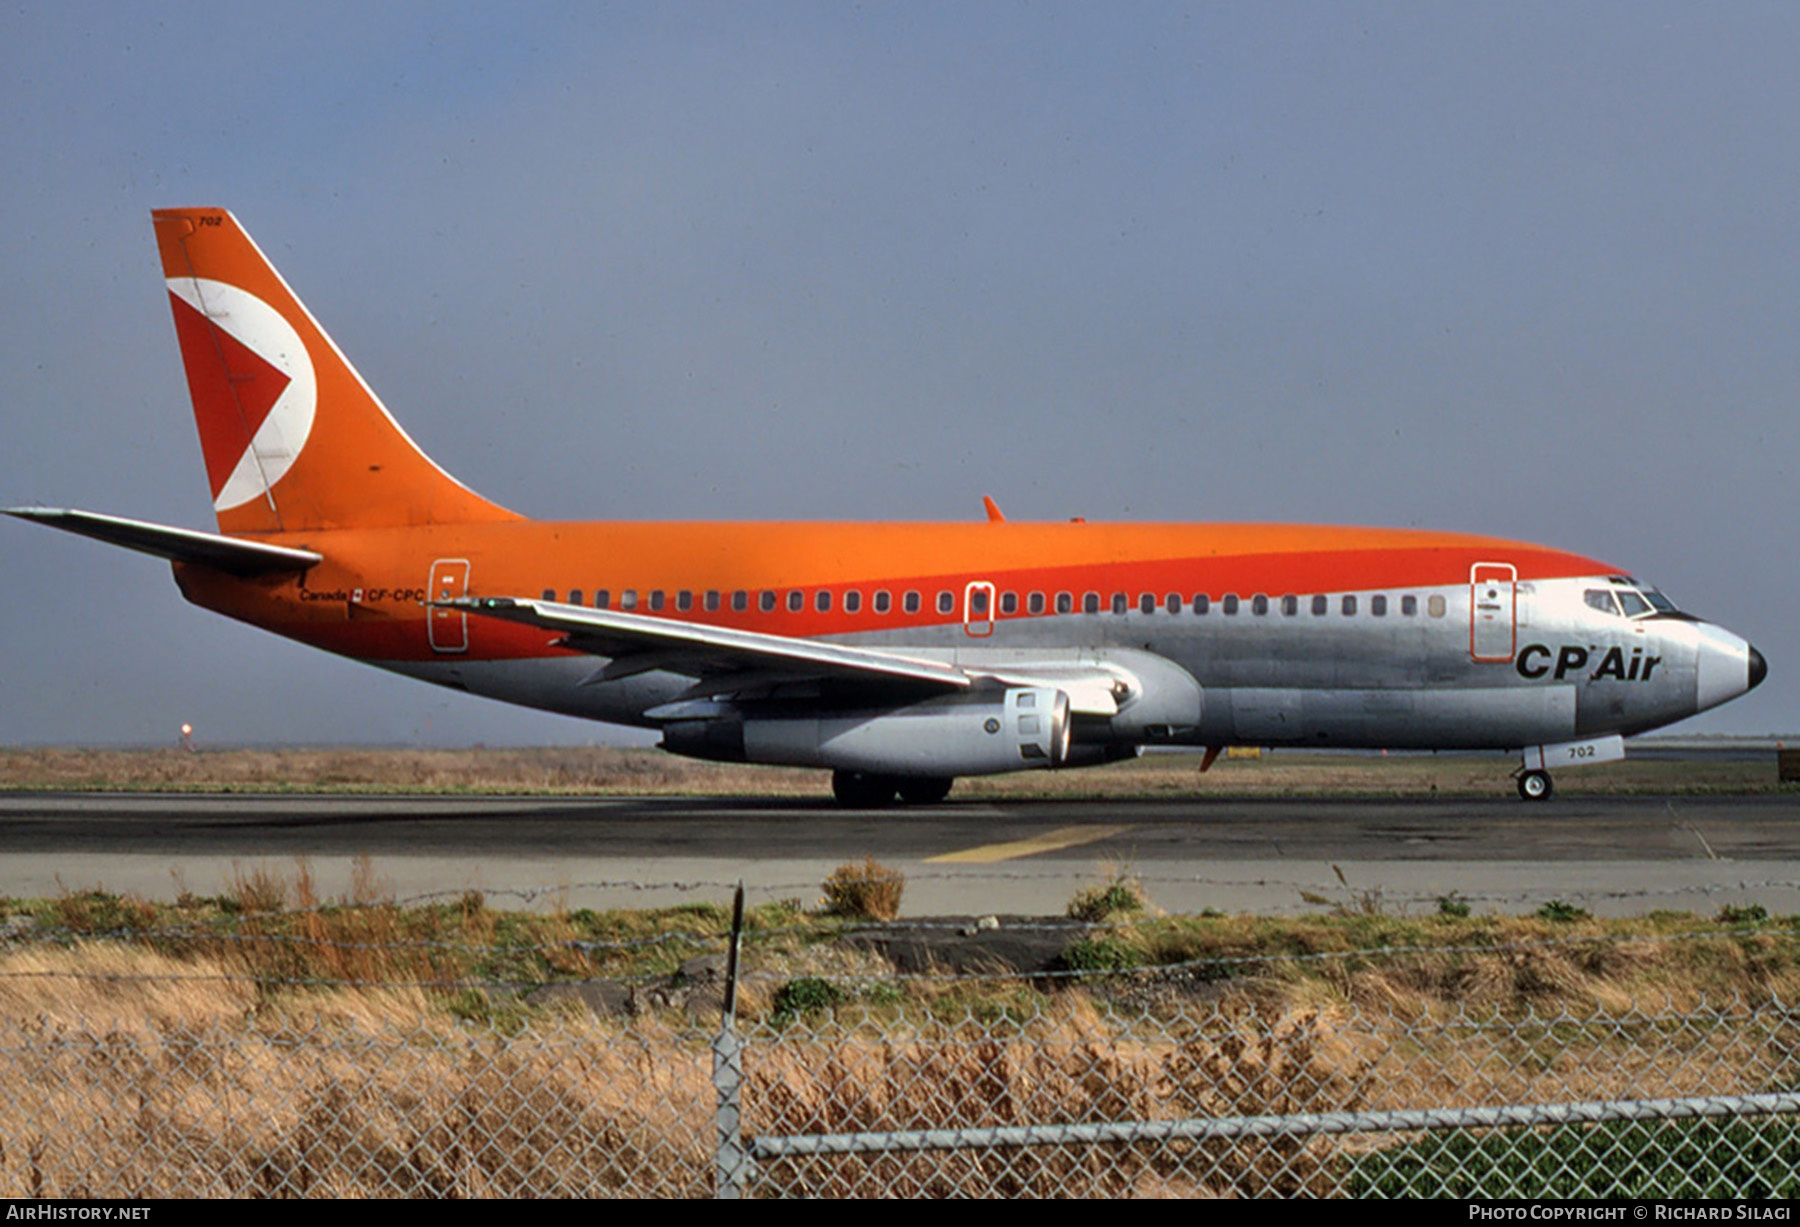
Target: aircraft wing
<point>723,660</point>
<point>176,544</point>
<point>638,644</point>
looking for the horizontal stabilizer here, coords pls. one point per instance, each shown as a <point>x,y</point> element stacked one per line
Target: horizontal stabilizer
<point>175,544</point>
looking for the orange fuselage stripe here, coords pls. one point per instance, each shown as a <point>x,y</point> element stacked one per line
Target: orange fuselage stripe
<point>365,600</point>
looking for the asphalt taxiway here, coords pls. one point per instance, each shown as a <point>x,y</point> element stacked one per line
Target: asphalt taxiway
<point>1614,855</point>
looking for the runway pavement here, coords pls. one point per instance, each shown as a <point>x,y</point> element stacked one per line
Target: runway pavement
<point>1617,855</point>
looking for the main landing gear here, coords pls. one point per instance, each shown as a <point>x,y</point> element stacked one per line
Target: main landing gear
<point>1535,785</point>
<point>860,790</point>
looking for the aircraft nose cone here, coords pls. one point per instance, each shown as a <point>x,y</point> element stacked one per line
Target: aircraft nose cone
<point>1725,666</point>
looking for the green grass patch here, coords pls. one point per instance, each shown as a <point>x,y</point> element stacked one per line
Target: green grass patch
<point>1623,1159</point>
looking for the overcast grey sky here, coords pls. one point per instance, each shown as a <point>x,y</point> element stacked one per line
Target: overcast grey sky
<point>1527,269</point>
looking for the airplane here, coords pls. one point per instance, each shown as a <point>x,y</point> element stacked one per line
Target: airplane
<point>897,656</point>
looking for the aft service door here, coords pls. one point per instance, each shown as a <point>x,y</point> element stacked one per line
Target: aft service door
<point>1493,611</point>
<point>448,628</point>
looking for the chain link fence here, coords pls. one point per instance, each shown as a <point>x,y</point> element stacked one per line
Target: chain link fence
<point>264,1057</point>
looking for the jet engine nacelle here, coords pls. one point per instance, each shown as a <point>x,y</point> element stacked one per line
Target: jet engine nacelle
<point>975,734</point>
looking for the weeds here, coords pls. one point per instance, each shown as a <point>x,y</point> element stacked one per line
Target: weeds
<point>807,995</point>
<point>98,911</point>
<point>1102,954</point>
<point>869,891</point>
<point>259,890</point>
<point>1122,896</point>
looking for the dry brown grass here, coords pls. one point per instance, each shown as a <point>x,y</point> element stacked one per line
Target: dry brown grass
<point>219,1065</point>
<point>622,772</point>
<point>177,1088</point>
<point>867,890</point>
<point>1070,1065</point>
<point>477,770</point>
<point>133,1073</point>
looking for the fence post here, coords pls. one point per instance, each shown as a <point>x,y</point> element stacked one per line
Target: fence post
<point>731,1164</point>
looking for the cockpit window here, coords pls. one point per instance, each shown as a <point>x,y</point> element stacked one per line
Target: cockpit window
<point>1658,602</point>
<point>1634,599</point>
<point>1601,599</point>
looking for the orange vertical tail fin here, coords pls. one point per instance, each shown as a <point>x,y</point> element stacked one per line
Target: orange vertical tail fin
<point>292,436</point>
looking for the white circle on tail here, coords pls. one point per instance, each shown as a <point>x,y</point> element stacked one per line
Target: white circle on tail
<point>279,428</point>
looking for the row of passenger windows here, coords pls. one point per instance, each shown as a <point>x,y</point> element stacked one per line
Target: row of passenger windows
<point>768,601</point>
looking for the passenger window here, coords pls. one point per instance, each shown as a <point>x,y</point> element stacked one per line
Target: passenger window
<point>549,594</point>
<point>1147,603</point>
<point>684,600</point>
<point>978,602</point>
<point>1172,602</point>
<point>853,601</point>
<point>883,602</point>
<point>1599,598</point>
<point>710,602</point>
<point>1034,603</point>
<point>574,596</point>
<point>740,601</point>
<point>822,602</point>
<point>912,603</point>
<point>1202,603</point>
<point>1090,603</point>
<point>602,598</point>
<point>1259,604</point>
<point>1321,606</point>
<point>1119,603</point>
<point>1350,607</point>
<point>1290,605</point>
<point>1009,603</point>
<point>1409,606</point>
<point>656,600</point>
<point>1230,604</point>
<point>796,600</point>
<point>1378,606</point>
<point>766,599</point>
<point>946,602</point>
<point>628,599</point>
<point>1435,606</point>
<point>1065,603</point>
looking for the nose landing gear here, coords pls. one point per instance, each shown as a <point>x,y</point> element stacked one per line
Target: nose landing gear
<point>1534,774</point>
<point>1535,785</point>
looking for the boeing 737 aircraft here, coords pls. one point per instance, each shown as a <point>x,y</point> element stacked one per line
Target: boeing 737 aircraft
<point>898,656</point>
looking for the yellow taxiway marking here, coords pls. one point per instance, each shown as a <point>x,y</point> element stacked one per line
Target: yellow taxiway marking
<point>1049,841</point>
